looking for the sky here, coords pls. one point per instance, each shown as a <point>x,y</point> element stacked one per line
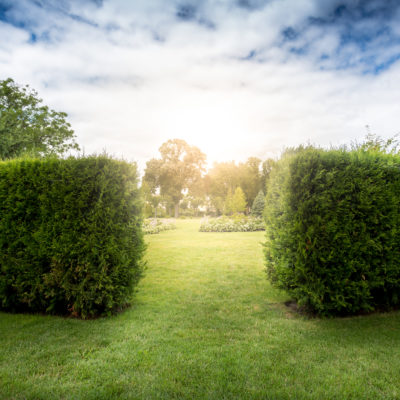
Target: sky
<point>236,78</point>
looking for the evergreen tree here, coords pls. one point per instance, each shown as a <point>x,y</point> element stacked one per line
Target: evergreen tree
<point>258,205</point>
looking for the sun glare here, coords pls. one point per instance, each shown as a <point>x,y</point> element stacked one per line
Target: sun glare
<point>216,130</point>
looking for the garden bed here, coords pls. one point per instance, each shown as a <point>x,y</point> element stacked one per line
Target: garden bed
<point>153,226</point>
<point>237,223</point>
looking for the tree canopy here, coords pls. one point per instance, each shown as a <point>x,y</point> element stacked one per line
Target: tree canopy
<point>176,180</point>
<point>179,169</point>
<point>225,177</point>
<point>29,127</point>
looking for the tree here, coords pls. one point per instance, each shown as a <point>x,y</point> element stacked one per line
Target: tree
<point>228,206</point>
<point>151,199</point>
<point>179,169</point>
<point>250,178</point>
<point>221,179</point>
<point>28,127</point>
<point>267,167</point>
<point>238,201</point>
<point>195,203</point>
<point>258,205</point>
<point>217,205</point>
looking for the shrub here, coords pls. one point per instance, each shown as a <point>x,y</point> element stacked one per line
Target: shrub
<point>152,226</point>
<point>333,226</point>
<point>237,223</point>
<point>70,235</point>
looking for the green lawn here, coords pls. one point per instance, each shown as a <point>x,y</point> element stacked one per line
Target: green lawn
<point>205,324</point>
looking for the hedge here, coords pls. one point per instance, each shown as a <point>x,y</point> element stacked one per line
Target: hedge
<point>70,235</point>
<point>333,230</point>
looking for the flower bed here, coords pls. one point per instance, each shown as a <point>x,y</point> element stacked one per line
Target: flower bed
<point>152,226</point>
<point>233,224</point>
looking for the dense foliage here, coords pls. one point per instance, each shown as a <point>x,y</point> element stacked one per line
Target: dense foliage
<point>333,222</point>
<point>70,235</point>
<point>236,223</point>
<point>29,127</point>
<point>152,226</point>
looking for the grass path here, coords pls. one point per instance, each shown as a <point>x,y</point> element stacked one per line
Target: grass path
<point>205,325</point>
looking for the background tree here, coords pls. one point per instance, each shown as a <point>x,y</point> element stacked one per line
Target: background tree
<point>179,169</point>
<point>258,205</point>
<point>267,167</point>
<point>197,197</point>
<point>217,205</point>
<point>195,203</point>
<point>238,201</point>
<point>221,178</point>
<point>150,184</point>
<point>151,200</point>
<point>190,205</point>
<point>251,181</point>
<point>28,127</point>
<point>228,206</point>
<point>227,176</point>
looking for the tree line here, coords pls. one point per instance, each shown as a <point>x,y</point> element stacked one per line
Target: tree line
<point>178,182</point>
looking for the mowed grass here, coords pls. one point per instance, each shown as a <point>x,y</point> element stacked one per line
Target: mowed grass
<point>205,324</point>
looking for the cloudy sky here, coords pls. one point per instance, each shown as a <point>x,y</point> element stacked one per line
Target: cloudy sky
<point>237,78</point>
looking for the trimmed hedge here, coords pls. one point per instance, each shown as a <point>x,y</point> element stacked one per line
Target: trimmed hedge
<point>333,230</point>
<point>70,235</point>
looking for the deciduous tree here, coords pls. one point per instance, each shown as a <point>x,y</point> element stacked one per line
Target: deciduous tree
<point>179,169</point>
<point>238,201</point>
<point>29,127</point>
<point>250,178</point>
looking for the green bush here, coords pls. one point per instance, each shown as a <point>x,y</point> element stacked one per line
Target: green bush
<point>152,226</point>
<point>236,223</point>
<point>70,235</point>
<point>333,224</point>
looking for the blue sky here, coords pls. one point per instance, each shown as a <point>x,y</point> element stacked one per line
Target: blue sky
<point>237,78</point>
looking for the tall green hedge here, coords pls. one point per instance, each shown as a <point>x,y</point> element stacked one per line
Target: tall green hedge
<point>70,235</point>
<point>333,229</point>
